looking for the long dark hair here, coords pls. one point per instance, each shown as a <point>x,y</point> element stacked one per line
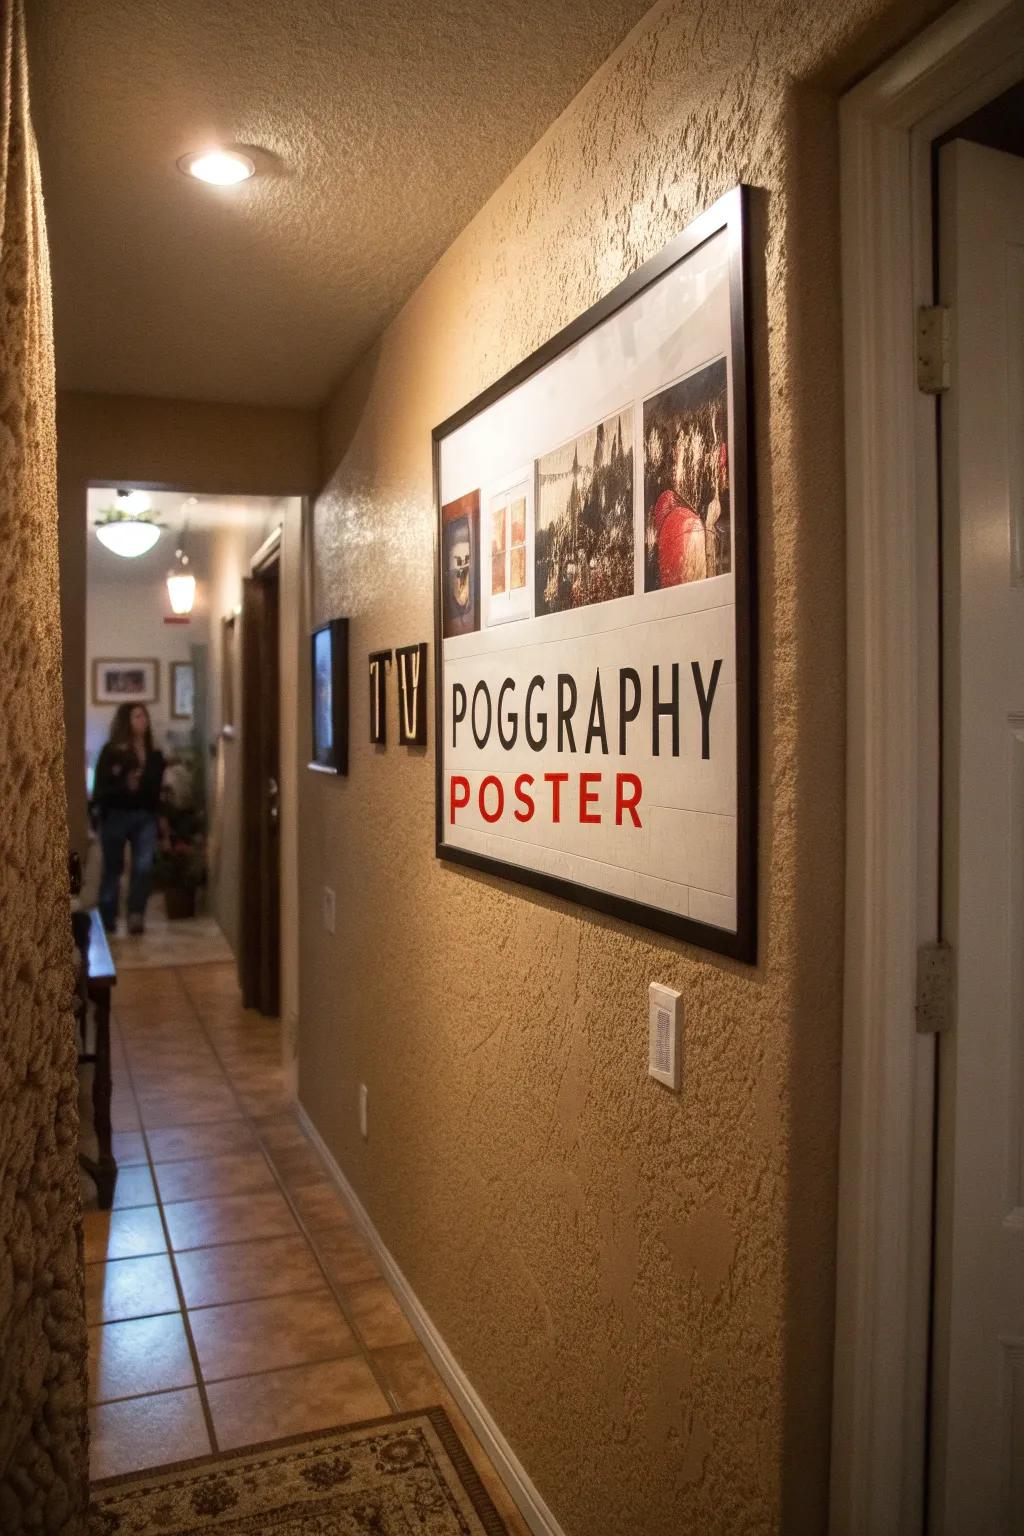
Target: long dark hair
<point>121,732</point>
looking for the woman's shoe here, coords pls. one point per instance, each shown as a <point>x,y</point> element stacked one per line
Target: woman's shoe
<point>136,922</point>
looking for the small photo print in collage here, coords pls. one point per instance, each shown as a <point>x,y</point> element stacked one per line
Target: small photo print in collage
<point>584,538</point>
<point>460,566</point>
<point>687,527</point>
<point>509,512</point>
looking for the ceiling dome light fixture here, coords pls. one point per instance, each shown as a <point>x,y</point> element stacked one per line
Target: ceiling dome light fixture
<point>127,528</point>
<point>219,167</point>
<point>128,538</point>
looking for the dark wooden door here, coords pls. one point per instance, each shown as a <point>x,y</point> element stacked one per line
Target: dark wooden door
<point>260,951</point>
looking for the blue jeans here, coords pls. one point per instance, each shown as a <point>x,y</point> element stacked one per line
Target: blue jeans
<point>139,828</point>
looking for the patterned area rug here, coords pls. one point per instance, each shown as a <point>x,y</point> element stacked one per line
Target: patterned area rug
<point>402,1476</point>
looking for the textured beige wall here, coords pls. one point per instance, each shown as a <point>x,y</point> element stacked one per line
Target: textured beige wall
<point>172,444</point>
<point>42,1323</point>
<point>639,1286</point>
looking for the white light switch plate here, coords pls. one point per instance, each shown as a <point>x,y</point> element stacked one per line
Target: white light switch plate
<point>328,909</point>
<point>665,1049</point>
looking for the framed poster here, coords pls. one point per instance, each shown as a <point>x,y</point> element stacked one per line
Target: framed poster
<point>183,690</point>
<point>594,605</point>
<point>329,662</point>
<point>117,681</point>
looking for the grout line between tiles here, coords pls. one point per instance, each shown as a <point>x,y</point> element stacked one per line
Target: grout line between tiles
<point>292,1365</point>
<point>216,1381</point>
<point>245,1301</point>
<point>201,1306</point>
<point>224,1242</point>
<point>131,1317</point>
<point>135,1397</point>
<point>233,1194</point>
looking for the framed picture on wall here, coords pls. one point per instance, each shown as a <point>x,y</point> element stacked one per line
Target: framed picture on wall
<point>228,662</point>
<point>125,681</point>
<point>183,688</point>
<point>596,710</point>
<point>329,676</point>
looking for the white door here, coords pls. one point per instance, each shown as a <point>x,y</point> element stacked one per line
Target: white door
<point>977,1486</point>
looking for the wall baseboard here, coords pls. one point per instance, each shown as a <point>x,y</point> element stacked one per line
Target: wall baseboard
<point>511,1471</point>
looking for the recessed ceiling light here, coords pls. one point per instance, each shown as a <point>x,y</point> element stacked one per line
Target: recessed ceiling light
<point>220,167</point>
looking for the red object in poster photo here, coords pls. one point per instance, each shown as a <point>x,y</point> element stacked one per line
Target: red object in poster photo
<point>681,546</point>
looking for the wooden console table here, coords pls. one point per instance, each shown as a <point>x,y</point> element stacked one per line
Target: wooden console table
<point>100,979</point>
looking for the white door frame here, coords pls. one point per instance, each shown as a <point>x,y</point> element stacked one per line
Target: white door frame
<point>887,125</point>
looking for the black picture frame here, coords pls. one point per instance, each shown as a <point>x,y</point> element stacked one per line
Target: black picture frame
<point>181,669</point>
<point>328,655</point>
<point>731,214</point>
<point>228,667</point>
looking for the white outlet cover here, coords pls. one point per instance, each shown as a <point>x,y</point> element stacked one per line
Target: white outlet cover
<point>664,1043</point>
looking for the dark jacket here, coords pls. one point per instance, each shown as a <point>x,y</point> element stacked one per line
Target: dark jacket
<point>110,786</point>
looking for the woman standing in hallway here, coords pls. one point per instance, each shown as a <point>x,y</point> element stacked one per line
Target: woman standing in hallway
<point>129,775</point>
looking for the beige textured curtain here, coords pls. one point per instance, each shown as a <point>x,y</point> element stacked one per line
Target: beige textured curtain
<point>42,1331</point>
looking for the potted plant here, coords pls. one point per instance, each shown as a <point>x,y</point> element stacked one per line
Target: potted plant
<point>180,871</point>
<point>180,867</point>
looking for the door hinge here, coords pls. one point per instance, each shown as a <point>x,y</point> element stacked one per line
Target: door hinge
<point>934,1006</point>
<point>933,349</point>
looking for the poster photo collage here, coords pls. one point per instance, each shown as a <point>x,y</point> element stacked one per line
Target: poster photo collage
<point>562,535</point>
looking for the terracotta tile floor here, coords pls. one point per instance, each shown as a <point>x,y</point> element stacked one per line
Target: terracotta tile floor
<point>229,1297</point>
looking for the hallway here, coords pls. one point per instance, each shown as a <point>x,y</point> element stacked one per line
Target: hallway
<point>513,530</point>
<point>230,1299</point>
